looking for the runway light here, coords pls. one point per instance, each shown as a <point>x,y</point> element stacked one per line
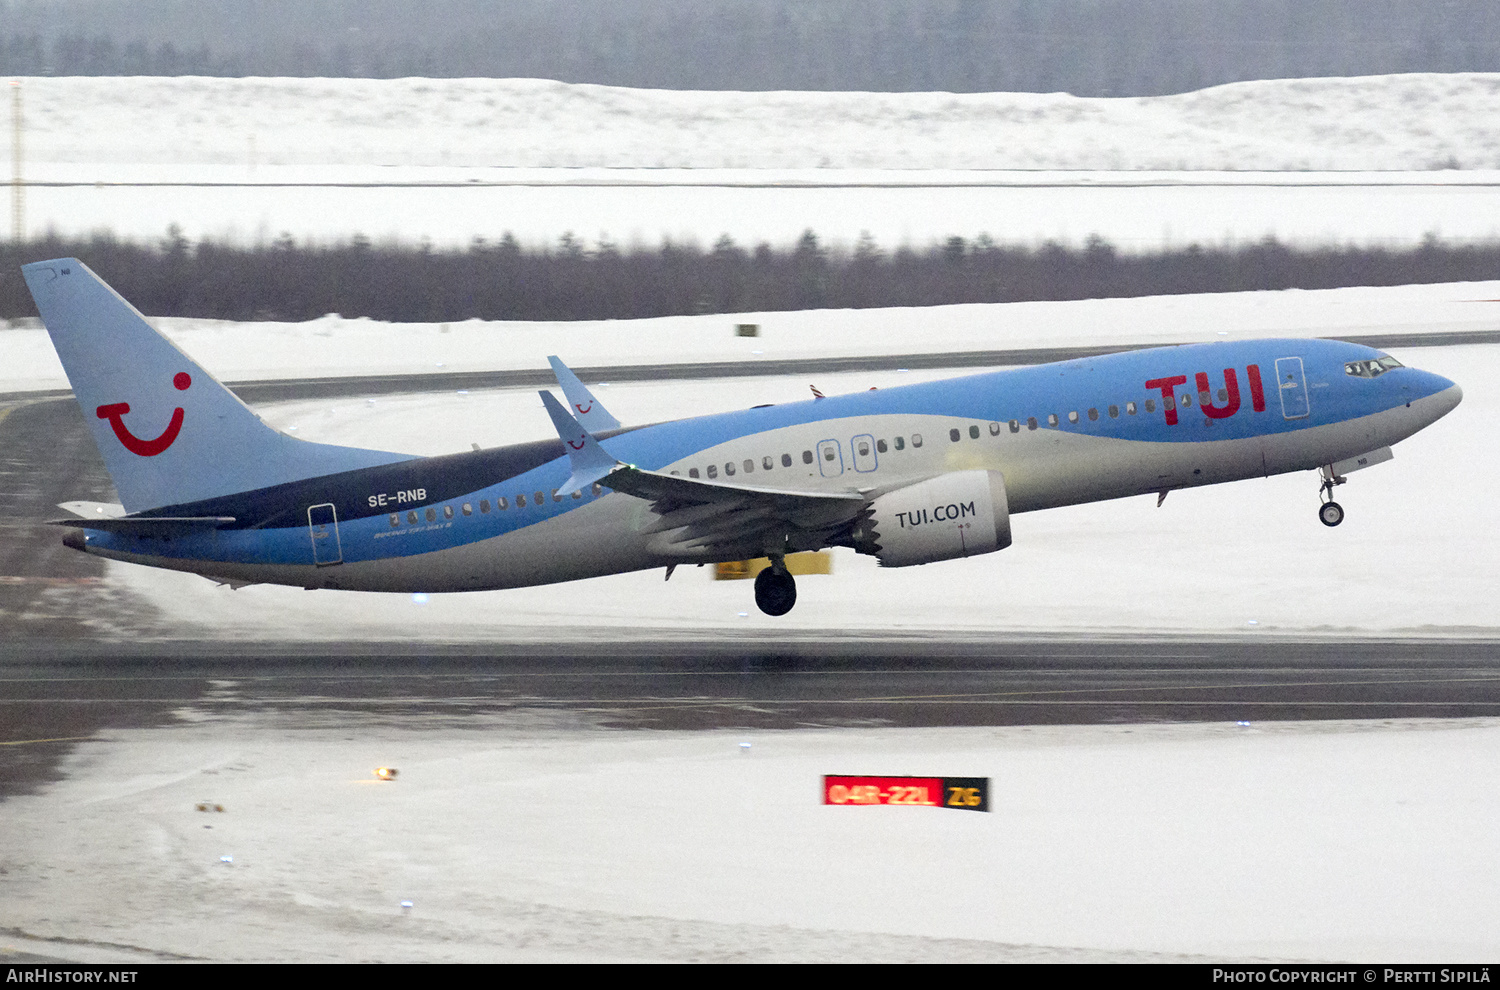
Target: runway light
<point>386,773</point>
<point>1253,622</point>
<point>419,598</point>
<point>744,747</point>
<point>406,905</point>
<point>226,859</point>
<point>1243,723</point>
<point>743,615</point>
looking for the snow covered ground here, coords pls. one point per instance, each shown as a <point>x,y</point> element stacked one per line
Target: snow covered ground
<point>526,839</point>
<point>1401,122</point>
<point>1224,210</point>
<point>1388,159</point>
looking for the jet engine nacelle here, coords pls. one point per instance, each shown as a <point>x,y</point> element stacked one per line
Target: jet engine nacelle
<point>953,515</point>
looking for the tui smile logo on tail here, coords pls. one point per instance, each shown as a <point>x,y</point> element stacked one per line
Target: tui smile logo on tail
<point>116,412</point>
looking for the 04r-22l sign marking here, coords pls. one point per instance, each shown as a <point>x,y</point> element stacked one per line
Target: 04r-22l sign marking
<point>963,793</point>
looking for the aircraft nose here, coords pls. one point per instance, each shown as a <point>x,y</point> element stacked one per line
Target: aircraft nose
<point>1450,396</point>
<point>1443,396</point>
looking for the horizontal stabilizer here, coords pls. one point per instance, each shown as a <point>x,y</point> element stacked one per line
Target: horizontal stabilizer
<point>152,526</point>
<point>93,510</point>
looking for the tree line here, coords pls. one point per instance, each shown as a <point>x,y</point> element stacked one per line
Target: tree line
<point>1085,47</point>
<point>503,280</point>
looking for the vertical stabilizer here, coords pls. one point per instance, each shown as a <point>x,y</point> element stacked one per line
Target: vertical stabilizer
<point>168,431</point>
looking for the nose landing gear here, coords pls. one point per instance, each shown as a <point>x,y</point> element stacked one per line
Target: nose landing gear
<point>775,589</point>
<point>1330,513</point>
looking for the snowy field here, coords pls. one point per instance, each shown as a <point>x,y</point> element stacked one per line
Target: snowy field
<point>529,840</point>
<point>1397,123</point>
<point>1378,160</point>
<point>1415,556</point>
<point>1229,210</point>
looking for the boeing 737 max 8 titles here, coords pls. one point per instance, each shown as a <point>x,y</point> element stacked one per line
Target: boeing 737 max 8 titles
<point>911,475</point>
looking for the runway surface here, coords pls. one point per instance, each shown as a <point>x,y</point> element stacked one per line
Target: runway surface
<point>54,694</point>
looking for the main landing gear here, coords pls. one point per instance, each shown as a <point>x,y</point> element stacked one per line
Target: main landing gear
<point>775,589</point>
<point>1330,513</point>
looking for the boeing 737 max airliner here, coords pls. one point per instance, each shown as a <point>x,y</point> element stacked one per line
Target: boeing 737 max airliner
<point>911,475</point>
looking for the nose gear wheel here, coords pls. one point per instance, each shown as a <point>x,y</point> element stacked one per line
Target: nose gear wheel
<point>1330,513</point>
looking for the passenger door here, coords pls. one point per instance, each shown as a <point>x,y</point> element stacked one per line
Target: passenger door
<point>323,527</point>
<point>1292,386</point>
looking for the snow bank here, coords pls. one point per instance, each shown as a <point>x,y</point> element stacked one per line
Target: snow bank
<point>1402,122</point>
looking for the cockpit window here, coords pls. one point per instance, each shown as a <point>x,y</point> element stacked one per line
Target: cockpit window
<point>1372,369</point>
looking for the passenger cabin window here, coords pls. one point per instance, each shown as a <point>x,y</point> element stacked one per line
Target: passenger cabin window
<point>395,519</point>
<point>1052,419</point>
<point>729,469</point>
<point>468,509</point>
<point>1151,405</point>
<point>692,472</point>
<point>1073,417</point>
<point>1114,412</point>
<point>749,465</point>
<point>500,502</point>
<point>994,429</point>
<point>807,457</point>
<point>598,489</point>
<point>556,495</point>
<point>484,504</point>
<point>713,472</point>
<point>578,493</point>
<point>1015,426</point>
<point>767,464</point>
<point>864,448</point>
<point>1187,401</point>
<point>1130,408</point>
<point>1031,422</point>
<point>411,517</point>
<point>521,501</point>
<point>881,446</point>
<point>447,512</point>
<point>916,439</point>
<point>431,514</point>
<point>900,443</point>
<point>953,435</point>
<point>541,498</point>
<point>786,460</point>
<point>973,432</point>
<point>1093,415</point>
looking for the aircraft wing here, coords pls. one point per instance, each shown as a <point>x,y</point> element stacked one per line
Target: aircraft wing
<point>697,518</point>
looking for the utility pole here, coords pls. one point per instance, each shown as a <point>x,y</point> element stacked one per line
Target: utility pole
<point>17,211</point>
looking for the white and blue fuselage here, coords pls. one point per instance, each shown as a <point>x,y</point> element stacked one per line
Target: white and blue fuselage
<point>1059,434</point>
